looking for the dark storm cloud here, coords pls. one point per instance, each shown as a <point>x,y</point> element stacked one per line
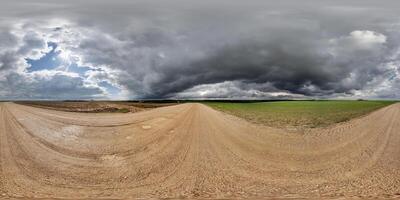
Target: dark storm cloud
<point>166,49</point>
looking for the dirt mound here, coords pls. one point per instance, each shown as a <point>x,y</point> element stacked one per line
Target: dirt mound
<point>190,150</point>
<point>85,106</point>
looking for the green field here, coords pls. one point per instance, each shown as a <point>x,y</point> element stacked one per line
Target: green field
<point>299,114</point>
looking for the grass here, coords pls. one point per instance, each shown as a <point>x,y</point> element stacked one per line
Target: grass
<point>123,110</point>
<point>300,114</point>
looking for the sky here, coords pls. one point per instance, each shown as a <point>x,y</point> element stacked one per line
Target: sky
<point>186,49</point>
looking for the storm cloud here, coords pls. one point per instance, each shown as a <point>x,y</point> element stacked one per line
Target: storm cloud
<point>200,49</point>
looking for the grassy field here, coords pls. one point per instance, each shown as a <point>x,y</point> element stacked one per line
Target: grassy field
<point>299,114</point>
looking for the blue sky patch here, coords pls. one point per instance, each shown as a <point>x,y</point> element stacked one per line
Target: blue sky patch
<point>112,90</point>
<point>48,61</point>
<point>52,61</point>
<point>81,70</point>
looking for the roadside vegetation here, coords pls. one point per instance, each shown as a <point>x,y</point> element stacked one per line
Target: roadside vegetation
<point>96,106</point>
<point>299,114</point>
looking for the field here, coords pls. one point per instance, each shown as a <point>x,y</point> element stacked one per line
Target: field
<point>95,106</point>
<point>297,115</point>
<point>193,151</point>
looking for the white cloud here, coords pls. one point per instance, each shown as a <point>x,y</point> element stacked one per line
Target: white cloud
<point>30,40</point>
<point>367,39</point>
<point>236,89</point>
<point>356,41</point>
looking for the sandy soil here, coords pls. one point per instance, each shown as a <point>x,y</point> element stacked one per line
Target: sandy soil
<point>191,150</point>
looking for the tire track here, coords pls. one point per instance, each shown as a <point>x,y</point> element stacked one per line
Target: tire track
<point>193,151</point>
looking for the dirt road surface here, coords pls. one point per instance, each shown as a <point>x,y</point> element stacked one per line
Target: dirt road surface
<point>193,151</point>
